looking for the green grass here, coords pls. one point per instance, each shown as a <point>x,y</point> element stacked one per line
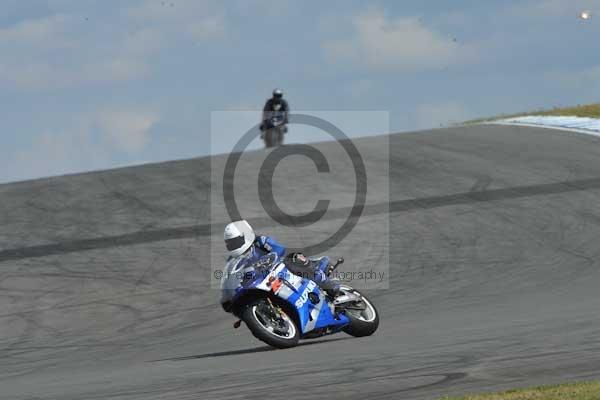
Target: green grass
<point>587,110</point>
<point>574,391</point>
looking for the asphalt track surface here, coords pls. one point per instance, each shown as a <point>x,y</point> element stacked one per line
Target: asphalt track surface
<point>493,276</point>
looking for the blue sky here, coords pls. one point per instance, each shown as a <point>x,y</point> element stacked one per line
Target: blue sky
<point>88,85</point>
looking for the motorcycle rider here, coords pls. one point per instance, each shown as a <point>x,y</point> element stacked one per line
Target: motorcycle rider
<point>274,106</point>
<point>241,241</point>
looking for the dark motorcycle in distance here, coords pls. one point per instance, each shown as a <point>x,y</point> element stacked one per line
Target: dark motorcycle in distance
<point>273,130</point>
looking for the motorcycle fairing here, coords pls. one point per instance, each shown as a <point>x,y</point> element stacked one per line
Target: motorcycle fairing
<point>295,291</point>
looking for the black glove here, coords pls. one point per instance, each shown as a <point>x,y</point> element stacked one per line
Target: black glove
<point>298,259</point>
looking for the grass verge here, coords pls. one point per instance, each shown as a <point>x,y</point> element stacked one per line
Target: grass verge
<point>571,391</point>
<point>587,110</point>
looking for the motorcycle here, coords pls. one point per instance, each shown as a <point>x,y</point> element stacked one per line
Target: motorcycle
<point>273,130</point>
<point>280,308</point>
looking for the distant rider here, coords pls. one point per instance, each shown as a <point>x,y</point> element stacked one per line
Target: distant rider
<point>241,241</point>
<point>275,106</point>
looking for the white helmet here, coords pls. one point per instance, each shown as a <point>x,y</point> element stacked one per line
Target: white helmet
<point>238,236</point>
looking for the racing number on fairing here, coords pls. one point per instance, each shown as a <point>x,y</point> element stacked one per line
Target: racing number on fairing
<point>275,285</point>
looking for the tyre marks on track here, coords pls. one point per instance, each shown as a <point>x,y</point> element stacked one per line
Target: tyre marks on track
<point>148,236</point>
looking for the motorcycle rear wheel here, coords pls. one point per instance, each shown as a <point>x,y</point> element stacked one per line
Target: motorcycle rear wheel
<point>363,321</point>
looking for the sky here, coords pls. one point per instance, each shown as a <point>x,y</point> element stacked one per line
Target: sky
<point>88,85</point>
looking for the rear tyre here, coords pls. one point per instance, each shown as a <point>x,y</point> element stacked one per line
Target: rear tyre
<point>271,324</point>
<point>363,316</point>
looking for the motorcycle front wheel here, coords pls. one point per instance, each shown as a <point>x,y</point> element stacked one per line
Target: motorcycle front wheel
<point>271,323</point>
<point>273,137</point>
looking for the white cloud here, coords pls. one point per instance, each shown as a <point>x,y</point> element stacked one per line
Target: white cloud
<point>49,30</point>
<point>27,76</point>
<point>117,69</point>
<point>41,75</point>
<point>62,51</point>
<point>199,20</point>
<point>143,42</point>
<point>165,10</point>
<point>206,28</point>
<point>266,8</point>
<point>127,130</point>
<point>97,143</point>
<point>402,44</point>
<point>554,8</point>
<point>440,114</point>
<point>59,51</point>
<point>57,153</point>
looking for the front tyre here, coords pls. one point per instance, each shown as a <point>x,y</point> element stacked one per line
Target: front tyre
<point>363,316</point>
<point>271,138</point>
<point>271,324</point>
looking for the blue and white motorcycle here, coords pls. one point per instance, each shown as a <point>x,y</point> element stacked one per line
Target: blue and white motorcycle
<point>280,308</point>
